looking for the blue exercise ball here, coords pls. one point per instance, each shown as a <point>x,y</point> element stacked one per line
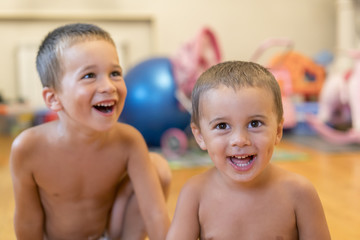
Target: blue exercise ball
<point>151,105</point>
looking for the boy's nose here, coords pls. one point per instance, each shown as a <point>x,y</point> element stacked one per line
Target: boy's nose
<point>240,138</point>
<point>107,85</point>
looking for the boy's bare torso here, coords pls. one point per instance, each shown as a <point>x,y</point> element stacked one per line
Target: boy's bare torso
<point>266,212</point>
<point>77,184</point>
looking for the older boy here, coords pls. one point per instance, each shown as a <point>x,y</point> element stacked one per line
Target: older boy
<point>86,176</point>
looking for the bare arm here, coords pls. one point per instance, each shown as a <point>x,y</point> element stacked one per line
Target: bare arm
<point>29,216</point>
<point>310,217</point>
<point>185,224</point>
<point>148,190</point>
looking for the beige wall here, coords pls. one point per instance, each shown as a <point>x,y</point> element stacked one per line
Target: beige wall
<point>241,25</point>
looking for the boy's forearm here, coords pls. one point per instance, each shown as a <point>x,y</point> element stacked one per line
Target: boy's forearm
<point>27,231</point>
<point>28,224</point>
<point>28,219</point>
<point>159,227</point>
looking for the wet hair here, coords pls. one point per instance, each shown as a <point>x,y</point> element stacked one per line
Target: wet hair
<point>235,74</point>
<point>49,57</point>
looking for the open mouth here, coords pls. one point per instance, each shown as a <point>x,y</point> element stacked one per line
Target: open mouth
<point>105,107</point>
<point>242,161</point>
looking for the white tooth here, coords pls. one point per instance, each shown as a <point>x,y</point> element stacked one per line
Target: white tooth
<point>242,164</point>
<point>104,104</point>
<point>241,157</point>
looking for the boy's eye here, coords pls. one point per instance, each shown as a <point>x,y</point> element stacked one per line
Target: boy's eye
<point>89,75</point>
<point>116,74</point>
<point>255,124</point>
<point>222,126</point>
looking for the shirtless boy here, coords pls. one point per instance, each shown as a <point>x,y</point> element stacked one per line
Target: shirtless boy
<point>238,118</point>
<point>86,176</point>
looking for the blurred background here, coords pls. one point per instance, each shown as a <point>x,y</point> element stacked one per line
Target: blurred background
<point>147,28</point>
<point>311,47</point>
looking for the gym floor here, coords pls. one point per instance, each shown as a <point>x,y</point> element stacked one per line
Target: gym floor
<point>336,175</point>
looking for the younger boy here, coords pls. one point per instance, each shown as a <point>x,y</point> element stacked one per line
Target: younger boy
<point>238,118</point>
<point>86,176</point>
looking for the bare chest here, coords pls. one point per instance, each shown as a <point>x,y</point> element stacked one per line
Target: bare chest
<point>79,174</point>
<point>253,217</point>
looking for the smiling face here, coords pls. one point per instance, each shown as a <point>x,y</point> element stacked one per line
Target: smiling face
<point>92,91</point>
<point>239,129</point>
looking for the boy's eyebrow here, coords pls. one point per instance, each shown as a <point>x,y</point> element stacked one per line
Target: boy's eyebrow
<point>259,116</point>
<point>118,66</point>
<point>219,119</point>
<point>88,67</point>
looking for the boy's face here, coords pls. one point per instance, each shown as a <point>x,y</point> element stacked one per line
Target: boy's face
<point>239,129</point>
<point>92,91</point>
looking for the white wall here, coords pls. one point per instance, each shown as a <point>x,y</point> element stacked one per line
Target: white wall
<point>19,79</point>
<point>241,25</point>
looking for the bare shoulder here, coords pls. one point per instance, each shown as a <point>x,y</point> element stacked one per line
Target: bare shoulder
<point>197,184</point>
<point>293,180</point>
<point>191,194</point>
<point>30,139</point>
<point>296,185</point>
<point>127,134</point>
<point>133,148</point>
<point>28,145</point>
<point>129,140</point>
<point>310,216</point>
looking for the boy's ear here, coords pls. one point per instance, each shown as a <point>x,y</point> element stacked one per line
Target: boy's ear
<point>51,99</point>
<point>198,136</point>
<point>279,131</point>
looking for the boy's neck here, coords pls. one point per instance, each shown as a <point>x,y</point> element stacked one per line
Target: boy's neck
<point>80,135</point>
<point>259,182</point>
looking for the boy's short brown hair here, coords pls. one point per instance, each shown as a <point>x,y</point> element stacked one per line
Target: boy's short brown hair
<point>48,60</point>
<point>235,74</point>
